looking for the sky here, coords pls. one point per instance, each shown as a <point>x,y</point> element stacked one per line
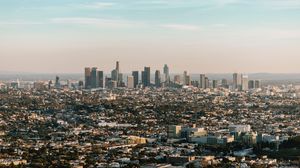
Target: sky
<point>200,36</point>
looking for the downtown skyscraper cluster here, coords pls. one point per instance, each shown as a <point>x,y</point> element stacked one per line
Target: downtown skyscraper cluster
<point>96,79</point>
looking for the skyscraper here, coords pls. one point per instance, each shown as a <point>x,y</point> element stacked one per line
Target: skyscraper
<point>166,74</point>
<point>101,79</point>
<point>120,80</point>
<point>225,83</point>
<point>245,83</point>
<point>130,82</point>
<point>185,82</point>
<point>87,77</point>
<point>215,84</point>
<point>94,77</point>
<point>114,75</point>
<point>188,80</point>
<point>206,83</point>
<point>118,66</point>
<point>57,83</point>
<point>237,81</point>
<point>135,75</point>
<point>251,84</point>
<point>146,76</point>
<point>177,79</point>
<point>157,78</point>
<point>257,84</point>
<point>143,78</point>
<point>202,81</point>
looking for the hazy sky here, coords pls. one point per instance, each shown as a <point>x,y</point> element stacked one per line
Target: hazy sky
<point>207,36</point>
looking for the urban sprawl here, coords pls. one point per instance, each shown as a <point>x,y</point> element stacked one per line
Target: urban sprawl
<point>162,122</point>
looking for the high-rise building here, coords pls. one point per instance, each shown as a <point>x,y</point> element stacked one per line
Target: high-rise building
<point>50,84</point>
<point>57,83</point>
<point>101,79</point>
<point>107,81</point>
<point>245,83</point>
<point>177,79</point>
<point>87,77</point>
<point>146,81</point>
<point>257,84</point>
<point>120,80</point>
<point>202,81</point>
<point>135,75</point>
<point>130,82</point>
<point>185,78</point>
<point>157,78</point>
<point>237,81</point>
<point>225,83</point>
<point>206,83</point>
<point>188,80</point>
<point>112,84</point>
<point>80,84</point>
<point>94,77</point>
<point>251,84</point>
<point>143,78</point>
<point>195,83</point>
<point>215,84</point>
<point>114,75</point>
<point>166,74</point>
<point>118,66</point>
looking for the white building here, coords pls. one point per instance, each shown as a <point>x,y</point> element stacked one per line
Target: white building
<point>239,128</point>
<point>130,82</point>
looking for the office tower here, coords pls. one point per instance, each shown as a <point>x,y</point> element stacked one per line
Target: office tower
<point>107,81</point>
<point>112,84</point>
<point>101,79</point>
<point>215,84</point>
<point>94,78</point>
<point>166,74</point>
<point>188,80</point>
<point>195,83</point>
<point>80,84</point>
<point>49,84</point>
<point>130,82</point>
<point>157,79</point>
<point>118,66</point>
<point>119,75</point>
<point>114,75</point>
<point>146,81</point>
<point>57,83</point>
<point>135,75</point>
<point>185,82</point>
<point>225,83</point>
<point>245,83</point>
<point>237,81</point>
<point>177,79</point>
<point>143,78</point>
<point>87,77</point>
<point>206,83</point>
<point>120,80</point>
<point>202,81</point>
<point>257,84</point>
<point>69,84</point>
<point>251,84</point>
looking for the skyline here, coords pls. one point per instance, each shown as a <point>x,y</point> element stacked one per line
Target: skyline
<point>216,36</point>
